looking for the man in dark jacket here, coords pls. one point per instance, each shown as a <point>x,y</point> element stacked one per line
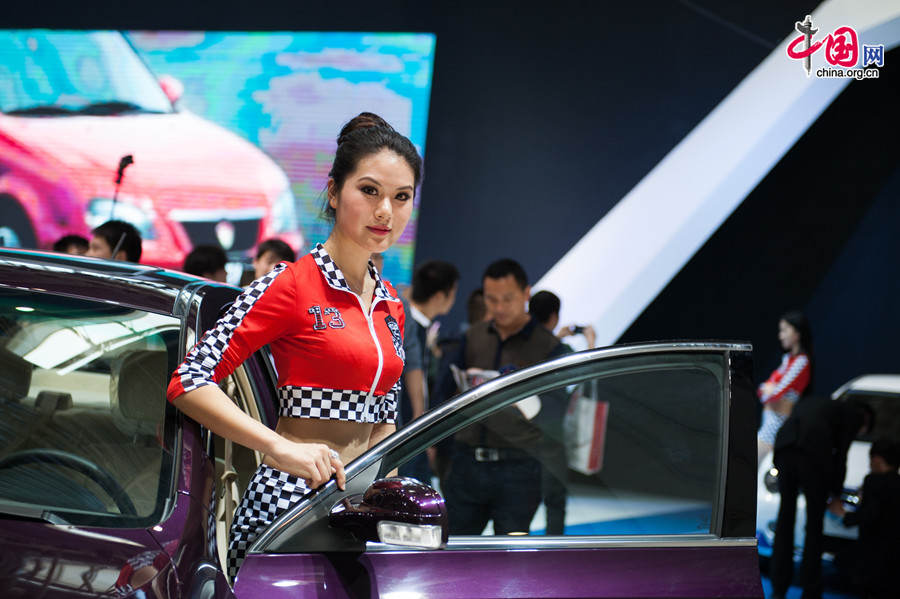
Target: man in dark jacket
<point>811,457</point>
<point>878,518</point>
<point>495,468</point>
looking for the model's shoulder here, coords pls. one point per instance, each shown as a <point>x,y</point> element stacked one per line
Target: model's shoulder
<point>304,266</point>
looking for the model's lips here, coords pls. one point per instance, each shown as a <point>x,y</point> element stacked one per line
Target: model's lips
<point>379,230</point>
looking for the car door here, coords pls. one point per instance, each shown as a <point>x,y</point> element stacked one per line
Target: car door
<point>663,505</point>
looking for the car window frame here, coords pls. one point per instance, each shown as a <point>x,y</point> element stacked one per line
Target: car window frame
<point>170,465</point>
<point>309,516</point>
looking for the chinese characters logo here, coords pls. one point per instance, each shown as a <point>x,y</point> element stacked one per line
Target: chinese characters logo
<point>841,49</point>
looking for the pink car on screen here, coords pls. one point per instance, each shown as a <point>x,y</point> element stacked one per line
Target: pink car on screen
<point>73,104</point>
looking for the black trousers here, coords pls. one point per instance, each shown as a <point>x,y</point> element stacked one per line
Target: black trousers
<point>506,491</point>
<point>796,475</point>
<point>554,468</point>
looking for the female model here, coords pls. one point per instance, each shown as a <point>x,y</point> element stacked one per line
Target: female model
<point>334,327</point>
<point>788,382</point>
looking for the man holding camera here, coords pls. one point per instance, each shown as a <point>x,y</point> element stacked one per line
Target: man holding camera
<point>544,308</point>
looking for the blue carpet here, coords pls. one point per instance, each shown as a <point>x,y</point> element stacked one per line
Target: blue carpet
<point>673,523</point>
<point>795,592</point>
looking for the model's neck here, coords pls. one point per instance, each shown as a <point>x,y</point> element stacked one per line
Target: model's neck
<point>350,258</point>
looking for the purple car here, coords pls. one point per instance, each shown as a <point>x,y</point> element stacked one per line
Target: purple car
<point>106,490</point>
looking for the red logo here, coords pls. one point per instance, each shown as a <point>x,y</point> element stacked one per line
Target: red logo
<point>841,45</point>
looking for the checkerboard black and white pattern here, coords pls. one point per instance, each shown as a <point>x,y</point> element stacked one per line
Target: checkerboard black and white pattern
<point>388,413</point>
<point>771,422</point>
<point>329,404</point>
<point>197,368</point>
<point>336,279</point>
<point>269,493</point>
<point>211,526</point>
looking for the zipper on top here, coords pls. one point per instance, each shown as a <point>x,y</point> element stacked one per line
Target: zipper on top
<point>374,338</point>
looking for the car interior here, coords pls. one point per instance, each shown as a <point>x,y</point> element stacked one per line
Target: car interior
<point>83,429</point>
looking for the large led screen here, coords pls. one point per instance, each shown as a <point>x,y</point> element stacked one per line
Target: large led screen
<point>231,134</point>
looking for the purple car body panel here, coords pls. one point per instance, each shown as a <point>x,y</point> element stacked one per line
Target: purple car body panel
<point>46,560</point>
<point>614,572</point>
<point>175,557</point>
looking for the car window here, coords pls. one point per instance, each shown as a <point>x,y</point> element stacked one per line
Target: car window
<point>649,460</point>
<point>85,431</point>
<point>632,446</point>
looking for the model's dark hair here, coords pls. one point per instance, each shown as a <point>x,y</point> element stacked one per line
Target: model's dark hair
<point>364,135</point>
<point>278,247</point>
<point>112,231</point>
<point>67,241</point>
<point>505,267</point>
<point>205,260</point>
<point>543,305</point>
<point>798,320</point>
<point>431,277</point>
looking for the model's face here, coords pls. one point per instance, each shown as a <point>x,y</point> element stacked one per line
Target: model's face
<point>788,335</point>
<point>265,263</point>
<point>376,201</point>
<point>98,248</point>
<point>505,300</point>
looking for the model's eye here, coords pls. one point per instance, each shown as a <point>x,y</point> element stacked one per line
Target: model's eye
<point>369,190</point>
<point>403,196</point>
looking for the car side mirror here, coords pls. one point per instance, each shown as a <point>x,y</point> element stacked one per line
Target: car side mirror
<point>172,87</point>
<point>397,510</point>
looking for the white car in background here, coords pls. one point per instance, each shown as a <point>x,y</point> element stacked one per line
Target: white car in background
<point>882,393</point>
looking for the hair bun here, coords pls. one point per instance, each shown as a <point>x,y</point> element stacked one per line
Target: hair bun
<point>364,120</point>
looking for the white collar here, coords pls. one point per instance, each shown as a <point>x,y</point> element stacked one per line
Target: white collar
<point>418,316</point>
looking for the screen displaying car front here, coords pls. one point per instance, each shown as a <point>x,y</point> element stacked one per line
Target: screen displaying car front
<point>86,436</point>
<point>195,138</point>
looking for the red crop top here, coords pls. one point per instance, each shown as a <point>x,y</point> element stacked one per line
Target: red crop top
<point>333,361</point>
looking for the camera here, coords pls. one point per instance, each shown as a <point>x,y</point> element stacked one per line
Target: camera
<point>577,330</point>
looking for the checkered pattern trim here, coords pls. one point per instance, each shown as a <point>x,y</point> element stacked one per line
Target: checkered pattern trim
<point>332,404</point>
<point>199,364</point>
<point>336,279</point>
<point>389,405</point>
<point>269,493</point>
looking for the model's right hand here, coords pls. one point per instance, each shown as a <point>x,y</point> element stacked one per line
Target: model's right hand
<point>313,462</point>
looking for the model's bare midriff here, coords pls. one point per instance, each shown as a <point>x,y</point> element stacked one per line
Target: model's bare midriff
<point>349,439</point>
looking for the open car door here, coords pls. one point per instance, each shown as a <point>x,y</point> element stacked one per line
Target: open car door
<point>662,506</point>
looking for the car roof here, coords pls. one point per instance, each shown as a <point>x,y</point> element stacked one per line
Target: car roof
<point>870,383</point>
<point>125,283</point>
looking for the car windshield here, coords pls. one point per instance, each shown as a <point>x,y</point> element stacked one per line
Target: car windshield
<point>86,436</point>
<point>60,73</point>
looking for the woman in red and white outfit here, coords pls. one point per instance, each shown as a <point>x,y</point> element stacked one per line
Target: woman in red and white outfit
<point>335,329</point>
<point>788,382</point>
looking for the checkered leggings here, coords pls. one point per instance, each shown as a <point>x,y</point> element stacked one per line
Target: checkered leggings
<point>269,493</point>
<point>771,422</point>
